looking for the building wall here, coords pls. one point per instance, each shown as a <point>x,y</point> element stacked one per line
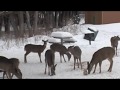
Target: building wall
<point>110,17</point>
<point>93,17</point>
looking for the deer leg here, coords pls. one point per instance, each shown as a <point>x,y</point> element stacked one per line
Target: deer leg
<point>45,67</point>
<point>74,62</point>
<point>111,64</point>
<point>77,60</point>
<point>40,57</point>
<point>80,62</point>
<point>95,68</point>
<point>4,73</point>
<point>49,70</point>
<point>116,50</point>
<point>63,57</point>
<point>60,57</point>
<point>25,60</point>
<point>100,66</point>
<point>12,74</point>
<point>77,63</point>
<point>9,75</point>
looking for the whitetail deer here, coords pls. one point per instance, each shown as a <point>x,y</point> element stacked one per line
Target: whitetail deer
<point>49,60</point>
<point>34,48</point>
<point>100,55</point>
<point>76,52</point>
<point>56,47</point>
<point>9,67</point>
<point>114,42</point>
<point>16,62</point>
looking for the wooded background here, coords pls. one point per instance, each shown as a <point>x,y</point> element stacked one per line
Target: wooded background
<point>30,23</point>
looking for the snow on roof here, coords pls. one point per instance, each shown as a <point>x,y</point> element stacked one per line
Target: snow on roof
<point>60,34</point>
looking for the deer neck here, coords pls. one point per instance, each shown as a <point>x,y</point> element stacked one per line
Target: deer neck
<point>44,46</point>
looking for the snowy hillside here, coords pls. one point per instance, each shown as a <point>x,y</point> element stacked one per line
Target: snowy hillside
<point>35,70</point>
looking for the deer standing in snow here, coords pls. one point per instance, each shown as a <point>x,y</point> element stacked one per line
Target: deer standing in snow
<point>114,42</point>
<point>100,55</point>
<point>76,52</point>
<point>34,48</point>
<point>49,61</point>
<point>62,50</point>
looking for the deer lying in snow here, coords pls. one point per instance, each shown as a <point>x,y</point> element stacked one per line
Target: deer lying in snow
<point>34,48</point>
<point>114,42</point>
<point>56,47</point>
<point>100,55</point>
<point>49,61</point>
<point>76,52</point>
<point>10,66</point>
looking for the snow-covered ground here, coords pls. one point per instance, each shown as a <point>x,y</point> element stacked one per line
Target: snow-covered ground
<point>35,70</point>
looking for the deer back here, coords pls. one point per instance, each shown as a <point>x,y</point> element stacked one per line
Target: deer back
<point>58,48</point>
<point>103,53</point>
<point>15,61</point>
<point>114,41</point>
<point>100,55</point>
<point>35,48</point>
<point>5,63</point>
<point>49,57</point>
<point>75,50</point>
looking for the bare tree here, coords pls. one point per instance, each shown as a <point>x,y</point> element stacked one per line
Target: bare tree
<point>35,22</point>
<point>21,23</point>
<point>28,23</point>
<point>13,23</point>
<point>6,23</point>
<point>1,22</point>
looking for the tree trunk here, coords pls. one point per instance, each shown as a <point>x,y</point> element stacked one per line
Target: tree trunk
<point>21,23</point>
<point>28,24</point>
<point>13,23</point>
<point>35,22</point>
<point>56,19</point>
<point>1,23</point>
<point>53,19</point>
<point>60,19</point>
<point>6,23</point>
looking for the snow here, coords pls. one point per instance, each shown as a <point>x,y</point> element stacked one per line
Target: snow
<point>66,36</point>
<point>70,39</point>
<point>60,34</point>
<point>93,28</point>
<point>35,70</point>
<point>54,40</point>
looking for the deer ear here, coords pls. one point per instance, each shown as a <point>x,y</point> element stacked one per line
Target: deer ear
<point>87,64</point>
<point>55,65</point>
